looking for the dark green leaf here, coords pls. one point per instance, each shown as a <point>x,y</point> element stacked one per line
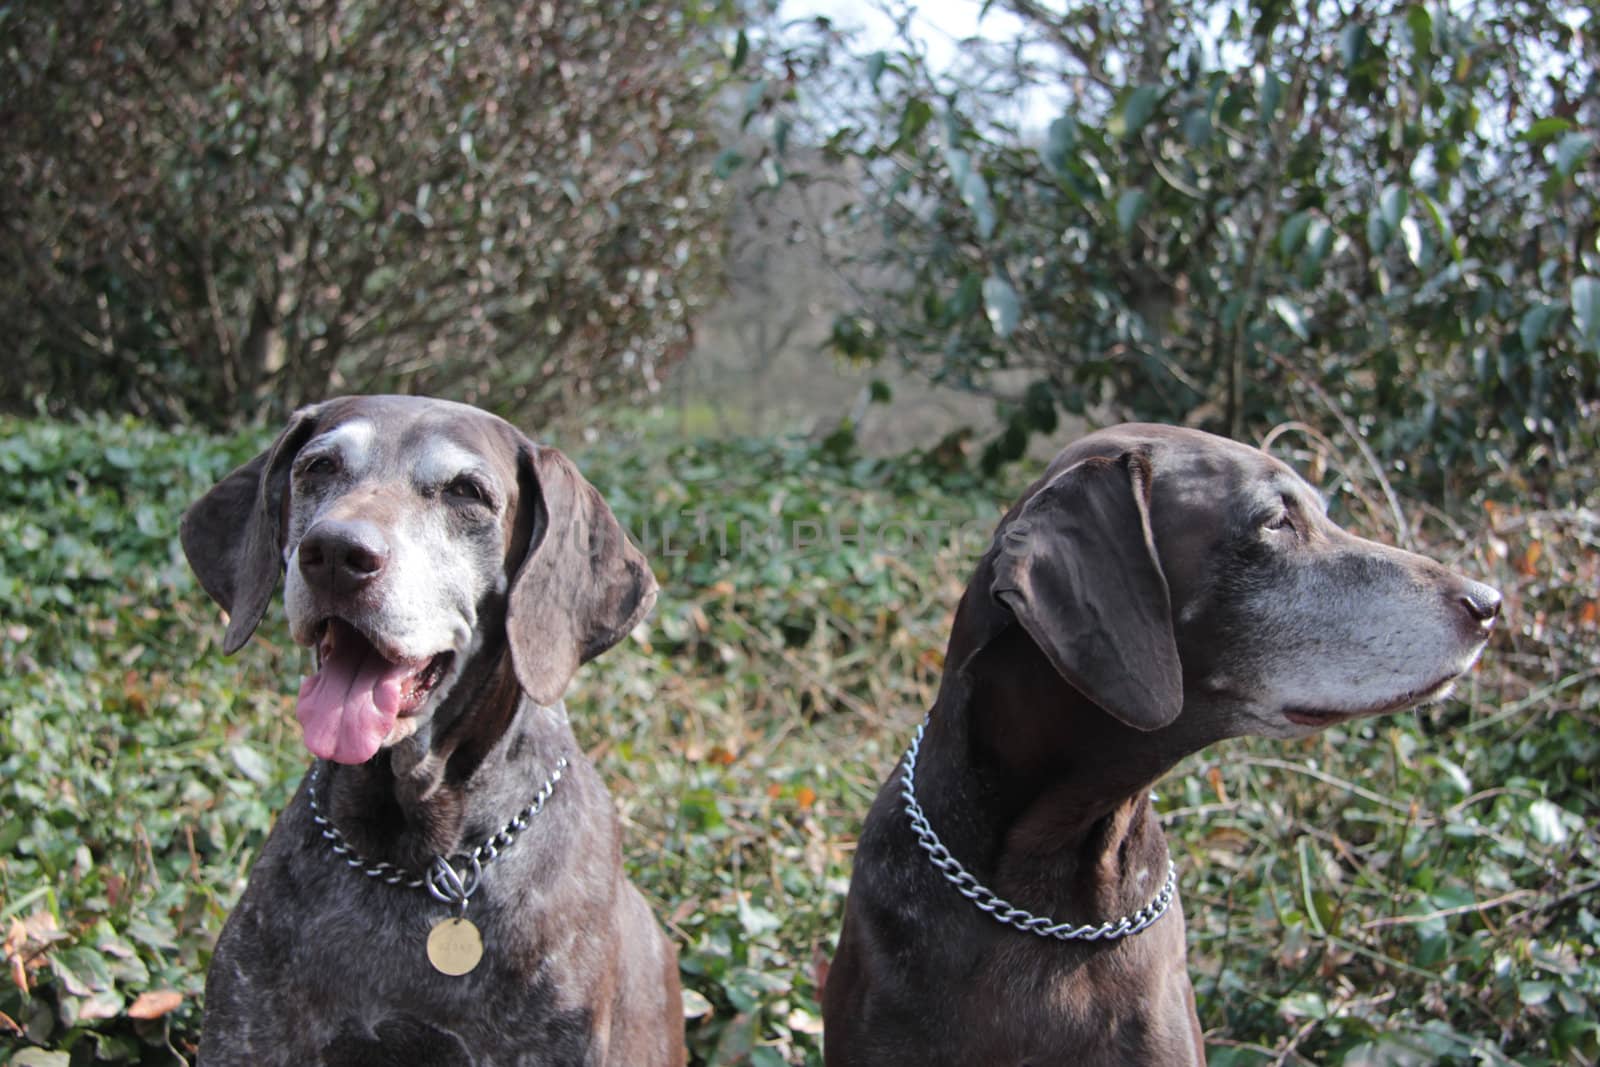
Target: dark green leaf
<point>1130,205</point>
<point>1586,309</point>
<point>1394,204</point>
<point>1293,234</point>
<point>1002,305</point>
<point>1411,240</point>
<point>1547,129</point>
<point>1571,151</point>
<point>1441,225</point>
<point>1271,95</point>
<point>875,65</point>
<point>975,191</point>
<point>1352,45</point>
<point>1291,315</point>
<point>1060,141</point>
<point>1533,326</point>
<point>1420,25</point>
<point>1378,232</point>
<point>914,119</point>
<point>1135,109</point>
<point>726,163</point>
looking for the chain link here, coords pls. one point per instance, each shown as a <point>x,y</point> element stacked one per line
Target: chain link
<point>452,880</point>
<point>1002,910</point>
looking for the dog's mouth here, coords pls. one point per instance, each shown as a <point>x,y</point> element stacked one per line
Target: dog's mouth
<point>349,708</point>
<point>1321,717</point>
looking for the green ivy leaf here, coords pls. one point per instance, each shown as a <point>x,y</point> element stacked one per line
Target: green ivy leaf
<point>1534,993</point>
<point>251,763</point>
<point>38,1057</point>
<point>1545,823</point>
<point>82,971</point>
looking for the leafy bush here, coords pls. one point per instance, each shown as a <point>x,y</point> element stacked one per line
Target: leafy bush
<point>1227,215</point>
<point>217,209</point>
<point>1417,889</point>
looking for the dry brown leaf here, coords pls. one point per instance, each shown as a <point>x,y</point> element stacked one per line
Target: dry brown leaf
<point>154,1004</point>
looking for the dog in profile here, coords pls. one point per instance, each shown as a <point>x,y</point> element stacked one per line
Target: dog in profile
<point>1158,589</point>
<point>446,887</point>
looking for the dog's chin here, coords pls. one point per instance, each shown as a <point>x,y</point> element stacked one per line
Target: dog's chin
<point>1312,719</point>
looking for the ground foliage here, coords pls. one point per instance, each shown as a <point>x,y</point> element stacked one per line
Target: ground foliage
<point>1413,890</point>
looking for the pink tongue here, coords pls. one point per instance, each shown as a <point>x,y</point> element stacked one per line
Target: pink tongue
<point>348,707</point>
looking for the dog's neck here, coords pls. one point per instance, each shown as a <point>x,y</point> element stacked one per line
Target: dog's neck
<point>1043,788</point>
<point>475,763</point>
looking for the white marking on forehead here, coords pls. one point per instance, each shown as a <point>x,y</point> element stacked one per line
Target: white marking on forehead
<point>352,440</point>
<point>440,460</point>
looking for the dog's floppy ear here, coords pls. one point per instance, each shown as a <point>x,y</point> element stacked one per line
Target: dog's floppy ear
<point>582,586</point>
<point>233,535</point>
<point>1078,568</point>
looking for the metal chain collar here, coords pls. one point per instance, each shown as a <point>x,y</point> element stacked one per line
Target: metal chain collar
<point>450,881</point>
<point>1002,910</point>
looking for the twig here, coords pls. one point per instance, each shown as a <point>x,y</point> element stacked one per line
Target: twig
<point>1402,530</point>
<point>808,675</point>
<point>1321,438</point>
<point>1536,697</point>
<point>1555,902</point>
<point>1445,913</point>
<point>1330,779</point>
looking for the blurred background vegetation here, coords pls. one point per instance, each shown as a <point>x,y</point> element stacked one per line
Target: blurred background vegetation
<point>760,266</point>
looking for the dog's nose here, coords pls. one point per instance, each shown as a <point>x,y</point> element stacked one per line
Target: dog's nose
<point>342,556</point>
<point>1482,603</point>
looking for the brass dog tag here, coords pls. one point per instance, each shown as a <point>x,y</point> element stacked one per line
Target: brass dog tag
<point>454,946</point>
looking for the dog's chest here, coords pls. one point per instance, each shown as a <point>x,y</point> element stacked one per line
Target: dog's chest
<point>342,963</point>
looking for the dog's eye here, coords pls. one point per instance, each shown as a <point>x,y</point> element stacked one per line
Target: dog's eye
<point>467,489</point>
<point>1283,520</point>
<point>322,465</point>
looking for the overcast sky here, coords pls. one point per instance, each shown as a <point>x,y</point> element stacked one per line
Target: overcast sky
<point>938,25</point>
